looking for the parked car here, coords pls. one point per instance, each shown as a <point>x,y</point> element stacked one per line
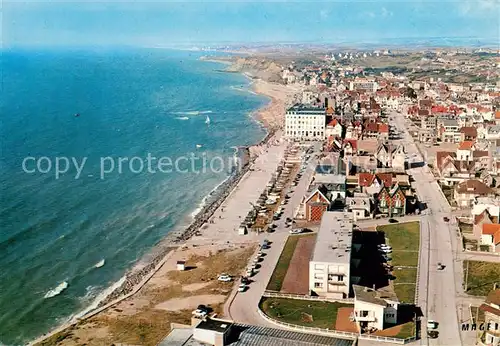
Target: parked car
<point>224,278</point>
<point>288,220</point>
<point>242,288</point>
<point>249,272</point>
<point>445,219</point>
<point>431,324</point>
<point>245,280</point>
<point>385,250</point>
<point>393,221</point>
<point>296,231</point>
<point>384,246</point>
<point>432,334</point>
<point>201,311</point>
<point>440,266</point>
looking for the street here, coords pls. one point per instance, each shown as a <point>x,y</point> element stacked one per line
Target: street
<point>437,290</point>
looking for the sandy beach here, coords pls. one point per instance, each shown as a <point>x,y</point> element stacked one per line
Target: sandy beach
<point>143,296</point>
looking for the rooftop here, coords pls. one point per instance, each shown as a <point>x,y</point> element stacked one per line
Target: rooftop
<point>306,109</point>
<point>378,296</point>
<point>246,335</point>
<point>215,325</point>
<point>334,239</point>
<point>320,178</point>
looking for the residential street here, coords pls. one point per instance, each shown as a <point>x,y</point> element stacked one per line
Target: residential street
<point>437,290</point>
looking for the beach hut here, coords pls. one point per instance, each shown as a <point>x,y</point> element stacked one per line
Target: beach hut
<point>181,265</point>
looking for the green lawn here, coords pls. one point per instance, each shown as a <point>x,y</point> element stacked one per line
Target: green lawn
<point>481,277</point>
<point>403,236</point>
<point>405,293</point>
<point>405,275</point>
<point>302,312</point>
<point>404,258</point>
<point>407,331</point>
<point>284,261</point>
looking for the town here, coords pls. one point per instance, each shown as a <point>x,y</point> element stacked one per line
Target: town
<point>369,215</point>
<point>389,193</point>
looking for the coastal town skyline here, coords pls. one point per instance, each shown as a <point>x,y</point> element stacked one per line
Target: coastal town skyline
<point>158,24</point>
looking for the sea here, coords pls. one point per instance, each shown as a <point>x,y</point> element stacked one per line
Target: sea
<point>103,153</point>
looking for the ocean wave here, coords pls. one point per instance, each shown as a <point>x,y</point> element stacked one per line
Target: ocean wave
<point>203,202</point>
<point>56,291</point>
<point>97,298</point>
<point>193,112</point>
<point>182,118</point>
<point>246,90</point>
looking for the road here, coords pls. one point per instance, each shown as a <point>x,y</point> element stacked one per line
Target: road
<point>437,290</point>
<point>242,306</point>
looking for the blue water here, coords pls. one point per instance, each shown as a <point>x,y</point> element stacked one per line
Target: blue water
<point>130,103</point>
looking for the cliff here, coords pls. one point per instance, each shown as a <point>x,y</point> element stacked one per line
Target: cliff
<point>254,67</point>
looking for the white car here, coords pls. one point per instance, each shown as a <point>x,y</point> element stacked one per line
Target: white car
<point>431,324</point>
<point>296,231</point>
<point>242,288</point>
<point>384,246</point>
<point>385,250</point>
<point>199,313</point>
<point>224,278</point>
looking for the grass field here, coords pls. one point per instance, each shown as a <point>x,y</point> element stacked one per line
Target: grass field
<point>405,241</point>
<point>405,293</point>
<point>281,268</point>
<point>481,277</point>
<point>407,330</point>
<point>302,312</point>
<point>402,236</point>
<point>405,275</point>
<point>404,258</point>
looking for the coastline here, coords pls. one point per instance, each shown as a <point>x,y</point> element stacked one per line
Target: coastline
<point>269,116</point>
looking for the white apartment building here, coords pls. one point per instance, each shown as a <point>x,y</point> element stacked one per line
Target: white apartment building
<point>305,123</point>
<point>374,309</point>
<point>329,267</point>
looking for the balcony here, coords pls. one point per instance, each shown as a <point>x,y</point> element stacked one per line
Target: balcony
<point>365,316</point>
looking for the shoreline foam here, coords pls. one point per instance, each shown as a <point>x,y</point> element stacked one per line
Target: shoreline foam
<point>137,276</point>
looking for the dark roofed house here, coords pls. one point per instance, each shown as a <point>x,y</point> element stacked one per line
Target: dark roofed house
<point>468,133</point>
<point>465,192</point>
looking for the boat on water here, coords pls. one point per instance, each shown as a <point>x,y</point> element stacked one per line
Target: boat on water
<point>199,145</point>
<point>207,120</point>
<point>77,114</point>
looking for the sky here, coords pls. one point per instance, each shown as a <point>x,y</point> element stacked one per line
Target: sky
<point>169,23</point>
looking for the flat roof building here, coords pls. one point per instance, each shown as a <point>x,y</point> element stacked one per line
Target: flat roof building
<point>329,267</point>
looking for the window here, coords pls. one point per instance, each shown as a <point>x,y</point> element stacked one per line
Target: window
<point>318,285</point>
<point>383,202</point>
<point>340,278</point>
<point>397,203</point>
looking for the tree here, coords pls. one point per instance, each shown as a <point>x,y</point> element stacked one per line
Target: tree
<point>409,92</point>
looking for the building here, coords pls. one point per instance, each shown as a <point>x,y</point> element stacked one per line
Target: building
<point>392,201</point>
<point>305,123</point>
<point>374,309</point>
<point>329,267</point>
<point>216,332</point>
<point>334,128</point>
<point>360,205</point>
<point>491,309</point>
<point>490,236</point>
<point>466,192</point>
